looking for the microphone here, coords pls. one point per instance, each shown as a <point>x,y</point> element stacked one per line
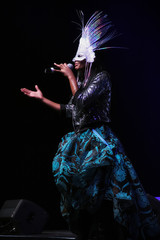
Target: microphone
<point>52,69</point>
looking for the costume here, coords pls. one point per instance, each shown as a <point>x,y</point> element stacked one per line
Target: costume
<point>96,91</point>
<point>91,170</point>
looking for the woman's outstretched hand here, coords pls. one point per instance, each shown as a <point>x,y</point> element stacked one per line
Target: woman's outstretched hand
<point>36,94</point>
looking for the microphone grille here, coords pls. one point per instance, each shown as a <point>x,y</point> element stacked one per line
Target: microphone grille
<point>70,65</point>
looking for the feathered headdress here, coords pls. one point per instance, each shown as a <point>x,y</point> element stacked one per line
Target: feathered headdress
<point>95,33</point>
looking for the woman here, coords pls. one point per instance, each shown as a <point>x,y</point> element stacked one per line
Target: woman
<point>101,195</point>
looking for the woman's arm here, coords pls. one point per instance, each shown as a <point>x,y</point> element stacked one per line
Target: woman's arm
<point>39,95</point>
<point>54,105</point>
<point>69,74</point>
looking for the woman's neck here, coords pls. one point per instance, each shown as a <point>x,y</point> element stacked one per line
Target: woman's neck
<point>81,75</point>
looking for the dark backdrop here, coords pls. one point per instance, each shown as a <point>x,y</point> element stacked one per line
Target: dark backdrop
<point>35,35</point>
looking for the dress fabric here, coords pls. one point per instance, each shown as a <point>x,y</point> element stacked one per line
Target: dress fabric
<point>87,172</point>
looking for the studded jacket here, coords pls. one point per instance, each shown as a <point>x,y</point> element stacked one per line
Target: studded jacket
<point>90,106</point>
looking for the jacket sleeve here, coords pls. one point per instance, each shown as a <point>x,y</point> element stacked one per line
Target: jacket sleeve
<point>98,85</point>
<point>67,109</point>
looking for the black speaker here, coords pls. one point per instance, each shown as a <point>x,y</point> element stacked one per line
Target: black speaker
<point>22,217</point>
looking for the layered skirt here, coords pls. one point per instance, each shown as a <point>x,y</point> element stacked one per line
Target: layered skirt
<point>90,168</point>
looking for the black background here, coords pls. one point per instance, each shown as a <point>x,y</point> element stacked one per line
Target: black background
<point>35,35</point>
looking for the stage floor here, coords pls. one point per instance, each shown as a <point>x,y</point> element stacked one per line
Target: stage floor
<point>46,235</point>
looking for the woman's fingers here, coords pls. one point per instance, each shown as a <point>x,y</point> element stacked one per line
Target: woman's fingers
<point>37,88</point>
<point>63,68</point>
<point>57,70</point>
<point>25,90</point>
<point>62,65</point>
<point>58,65</point>
<point>30,93</point>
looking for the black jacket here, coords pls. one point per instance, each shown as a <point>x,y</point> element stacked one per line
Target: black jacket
<point>90,106</point>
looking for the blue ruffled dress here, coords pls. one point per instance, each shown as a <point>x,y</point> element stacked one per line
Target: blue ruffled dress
<point>91,167</point>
